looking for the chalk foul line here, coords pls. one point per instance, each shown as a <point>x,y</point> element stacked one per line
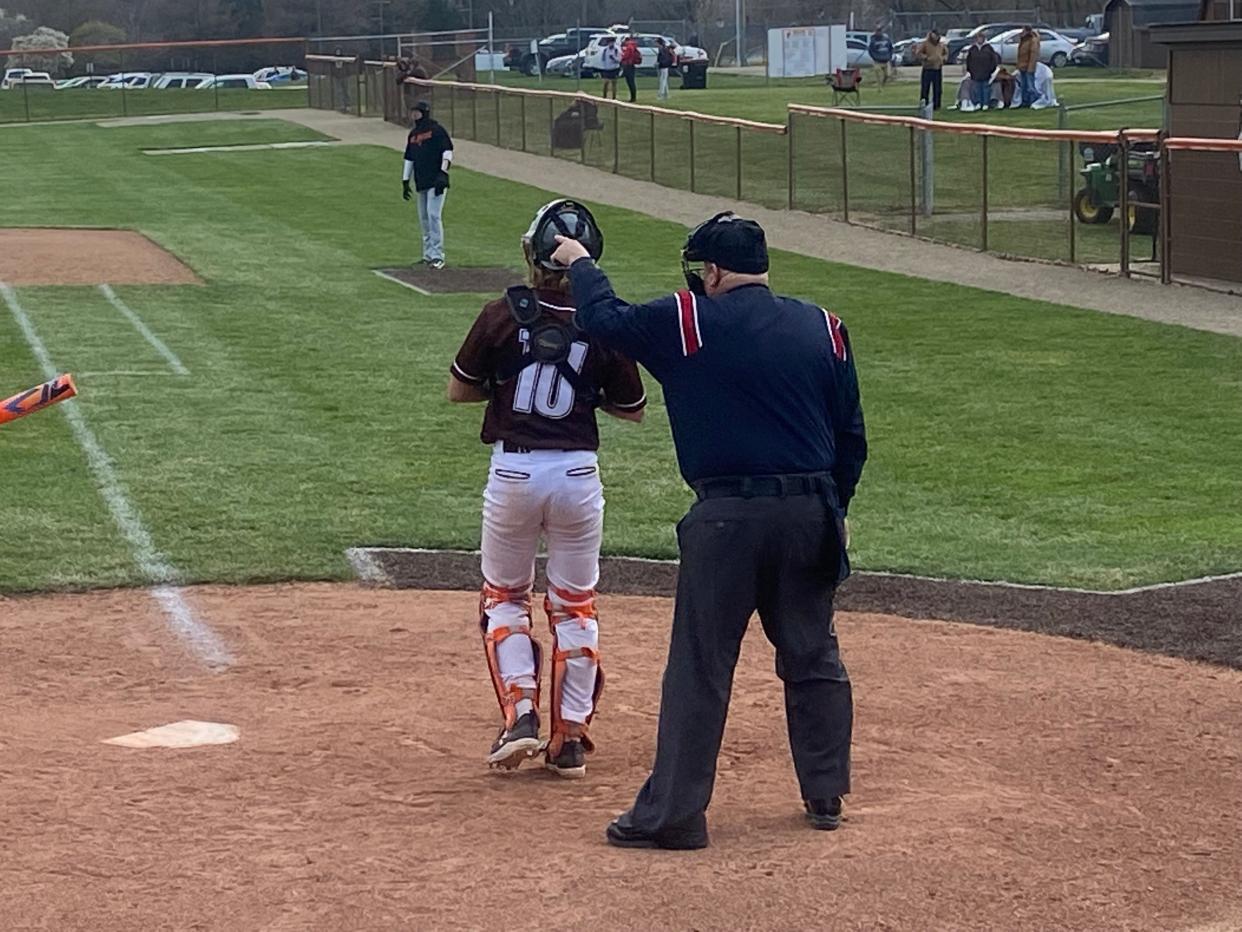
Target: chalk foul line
<point>157,344</point>
<point>202,641</point>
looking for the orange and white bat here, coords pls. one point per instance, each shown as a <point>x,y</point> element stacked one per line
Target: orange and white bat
<point>37,398</point>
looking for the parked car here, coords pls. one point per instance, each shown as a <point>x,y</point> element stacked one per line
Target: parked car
<point>12,74</point>
<point>685,54</point>
<point>903,51</point>
<point>563,66</point>
<point>280,74</point>
<point>1091,53</point>
<point>856,54</point>
<point>31,79</point>
<point>569,42</point>
<point>180,80</point>
<point>85,80</point>
<point>233,82</point>
<point>990,31</point>
<point>130,80</point>
<point>1054,49</point>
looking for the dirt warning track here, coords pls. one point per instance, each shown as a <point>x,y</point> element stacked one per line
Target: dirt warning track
<point>1003,779</point>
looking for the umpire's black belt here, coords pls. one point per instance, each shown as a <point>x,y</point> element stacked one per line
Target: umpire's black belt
<point>769,486</point>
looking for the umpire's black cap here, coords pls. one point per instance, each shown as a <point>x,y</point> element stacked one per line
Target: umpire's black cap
<point>730,242</point>
<point>422,106</point>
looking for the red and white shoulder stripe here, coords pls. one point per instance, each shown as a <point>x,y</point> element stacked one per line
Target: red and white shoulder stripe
<point>835,334</point>
<point>688,323</point>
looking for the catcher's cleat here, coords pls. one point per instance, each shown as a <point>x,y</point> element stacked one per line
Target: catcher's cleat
<point>824,814</point>
<point>516,744</point>
<point>569,762</point>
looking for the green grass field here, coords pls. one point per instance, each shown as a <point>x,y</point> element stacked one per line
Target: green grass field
<point>1011,439</point>
<point>39,104</point>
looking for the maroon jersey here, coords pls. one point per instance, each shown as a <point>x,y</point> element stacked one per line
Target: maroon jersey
<point>538,408</point>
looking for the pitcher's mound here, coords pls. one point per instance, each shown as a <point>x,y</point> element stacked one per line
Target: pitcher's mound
<point>453,281</point>
<point>87,257</point>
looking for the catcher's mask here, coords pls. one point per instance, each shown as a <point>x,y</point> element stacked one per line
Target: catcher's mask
<point>567,218</point>
<point>725,240</point>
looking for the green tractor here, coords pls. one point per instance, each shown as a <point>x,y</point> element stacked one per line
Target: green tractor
<point>1101,194</point>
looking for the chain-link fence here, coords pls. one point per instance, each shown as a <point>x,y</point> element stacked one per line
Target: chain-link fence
<point>1071,196</point>
<point>139,79</point>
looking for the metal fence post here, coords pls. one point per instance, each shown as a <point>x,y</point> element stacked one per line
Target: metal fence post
<point>582,133</point>
<point>845,175</point>
<point>1124,200</point>
<point>551,127</point>
<point>26,98</point>
<point>124,102</point>
<point>1069,182</point>
<point>474,114</point>
<point>692,156</point>
<point>1163,163</point>
<point>653,145</point>
<point>496,94</point>
<point>738,156</point>
<point>983,198</point>
<point>215,69</point>
<point>616,139</point>
<point>310,103</point>
<point>1062,123</point>
<point>359,84</point>
<point>914,206</point>
<point>522,110</point>
<point>929,166</point>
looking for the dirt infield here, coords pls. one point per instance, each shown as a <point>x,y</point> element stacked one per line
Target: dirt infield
<point>1002,779</point>
<point>87,257</point>
<point>454,280</point>
<point>1195,622</point>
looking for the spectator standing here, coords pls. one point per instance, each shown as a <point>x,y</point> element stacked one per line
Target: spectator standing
<point>631,58</point>
<point>880,48</point>
<point>981,63</point>
<point>1028,58</point>
<point>665,59</point>
<point>932,54</point>
<point>609,64</point>
<point>342,78</point>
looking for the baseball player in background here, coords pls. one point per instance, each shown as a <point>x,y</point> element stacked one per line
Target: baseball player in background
<point>428,157</point>
<point>542,380</point>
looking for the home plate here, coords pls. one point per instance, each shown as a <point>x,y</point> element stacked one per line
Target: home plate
<point>186,734</point>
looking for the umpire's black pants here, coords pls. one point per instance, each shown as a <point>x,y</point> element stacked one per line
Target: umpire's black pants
<point>777,556</point>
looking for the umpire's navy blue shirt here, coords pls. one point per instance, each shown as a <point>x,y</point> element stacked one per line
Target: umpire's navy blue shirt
<point>756,384</point>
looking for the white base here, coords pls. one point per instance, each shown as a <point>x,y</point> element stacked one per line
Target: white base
<point>187,734</point>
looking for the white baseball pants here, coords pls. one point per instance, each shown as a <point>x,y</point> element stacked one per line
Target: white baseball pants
<point>556,493</point>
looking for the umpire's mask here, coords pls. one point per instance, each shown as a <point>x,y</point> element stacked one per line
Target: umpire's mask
<point>567,218</point>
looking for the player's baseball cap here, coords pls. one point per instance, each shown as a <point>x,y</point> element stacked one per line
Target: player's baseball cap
<point>730,242</point>
<point>422,106</point>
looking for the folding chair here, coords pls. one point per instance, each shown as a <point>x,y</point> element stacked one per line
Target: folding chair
<point>846,81</point>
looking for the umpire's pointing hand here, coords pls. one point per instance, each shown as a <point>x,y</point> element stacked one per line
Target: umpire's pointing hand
<point>568,251</point>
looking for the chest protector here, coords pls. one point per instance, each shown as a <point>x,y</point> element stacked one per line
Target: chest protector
<point>549,343</point>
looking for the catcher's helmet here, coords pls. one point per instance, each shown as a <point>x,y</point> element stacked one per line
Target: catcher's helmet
<point>567,218</point>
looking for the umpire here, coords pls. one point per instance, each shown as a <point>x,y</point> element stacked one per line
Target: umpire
<point>762,397</point>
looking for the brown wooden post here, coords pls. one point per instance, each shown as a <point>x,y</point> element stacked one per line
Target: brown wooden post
<point>474,114</point>
<point>616,140</point>
<point>551,127</point>
<point>582,133</point>
<point>496,94</point>
<point>522,98</point>
<point>983,199</point>
<point>1069,184</point>
<point>791,165</point>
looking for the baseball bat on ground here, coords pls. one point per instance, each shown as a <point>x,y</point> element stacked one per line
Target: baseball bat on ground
<point>37,398</point>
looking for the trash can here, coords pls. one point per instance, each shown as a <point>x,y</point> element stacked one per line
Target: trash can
<point>694,76</point>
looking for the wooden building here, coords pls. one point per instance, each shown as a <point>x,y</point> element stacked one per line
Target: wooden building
<point>1205,188</point>
<point>1129,23</point>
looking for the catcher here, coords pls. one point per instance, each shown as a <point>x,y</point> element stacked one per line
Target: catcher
<point>542,380</point>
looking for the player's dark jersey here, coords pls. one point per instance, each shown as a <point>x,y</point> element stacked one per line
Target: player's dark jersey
<point>425,147</point>
<point>538,408</point>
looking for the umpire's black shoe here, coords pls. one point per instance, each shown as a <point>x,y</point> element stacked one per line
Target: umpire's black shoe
<point>824,814</point>
<point>516,744</point>
<point>622,833</point>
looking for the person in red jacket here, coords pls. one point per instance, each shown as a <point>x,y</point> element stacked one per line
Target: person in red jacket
<point>631,58</point>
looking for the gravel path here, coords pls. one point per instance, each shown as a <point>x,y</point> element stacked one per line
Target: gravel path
<point>816,236</point>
